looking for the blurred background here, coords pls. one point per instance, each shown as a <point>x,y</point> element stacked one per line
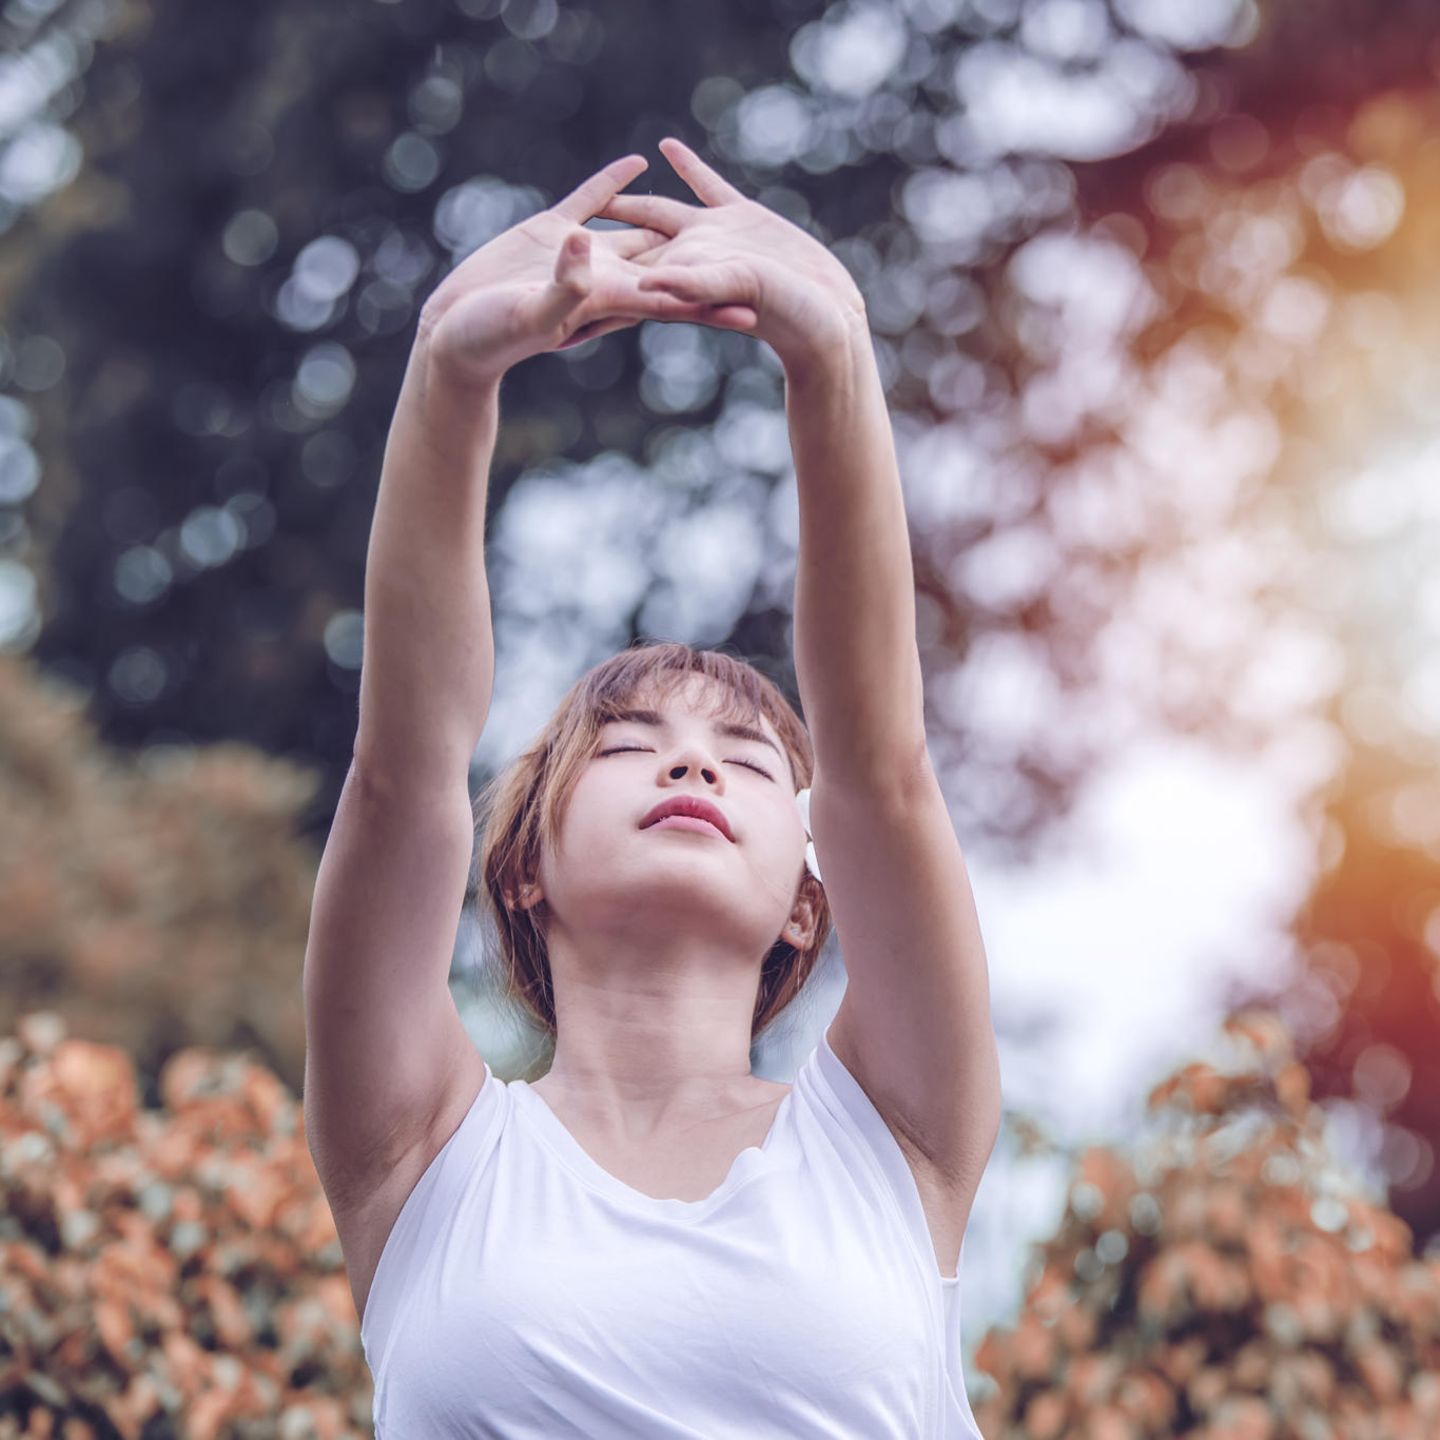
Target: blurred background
<point>1153,290</point>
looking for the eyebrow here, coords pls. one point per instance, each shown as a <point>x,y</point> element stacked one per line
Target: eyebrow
<point>722,727</point>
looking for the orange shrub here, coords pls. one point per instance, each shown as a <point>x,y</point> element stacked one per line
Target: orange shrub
<point>165,1273</point>
<point>1227,1282</point>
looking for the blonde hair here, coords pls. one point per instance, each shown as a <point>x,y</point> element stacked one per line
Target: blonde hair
<point>519,811</point>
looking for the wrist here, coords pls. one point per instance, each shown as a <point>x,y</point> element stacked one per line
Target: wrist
<point>834,354</point>
<point>447,414</point>
<point>442,368</point>
<point>446,350</point>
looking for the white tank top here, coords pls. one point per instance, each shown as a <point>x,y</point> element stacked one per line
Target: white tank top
<point>525,1292</point>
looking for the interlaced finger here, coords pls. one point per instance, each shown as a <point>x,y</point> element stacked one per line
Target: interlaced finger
<point>627,242</point>
<point>701,284</point>
<point>589,197</point>
<point>656,212</point>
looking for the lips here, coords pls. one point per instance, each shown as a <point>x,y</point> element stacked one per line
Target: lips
<point>690,805</point>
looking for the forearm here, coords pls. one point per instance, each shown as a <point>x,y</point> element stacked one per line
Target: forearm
<point>857,661</point>
<point>429,656</point>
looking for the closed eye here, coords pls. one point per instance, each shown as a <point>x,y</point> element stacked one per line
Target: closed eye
<point>749,764</point>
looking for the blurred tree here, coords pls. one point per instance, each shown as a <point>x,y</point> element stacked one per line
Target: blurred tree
<point>1226,1278</point>
<point>1370,933</point>
<point>270,194</point>
<point>1124,320</point>
<point>1295,235</point>
<point>155,903</point>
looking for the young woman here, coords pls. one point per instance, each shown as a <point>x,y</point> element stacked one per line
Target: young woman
<point>650,1241</point>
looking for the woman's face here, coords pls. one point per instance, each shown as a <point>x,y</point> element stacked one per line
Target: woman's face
<point>613,872</point>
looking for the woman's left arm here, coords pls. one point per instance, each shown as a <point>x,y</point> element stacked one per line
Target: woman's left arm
<point>857,661</point>
<point>914,1026</point>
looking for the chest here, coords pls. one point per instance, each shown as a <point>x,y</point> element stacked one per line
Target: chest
<point>690,1163</point>
<point>694,1165</point>
<point>769,1310</point>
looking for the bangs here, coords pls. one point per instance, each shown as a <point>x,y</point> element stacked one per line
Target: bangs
<point>734,691</point>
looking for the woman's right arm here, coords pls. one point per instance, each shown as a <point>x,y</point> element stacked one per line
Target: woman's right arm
<point>388,1063</point>
<point>429,652</point>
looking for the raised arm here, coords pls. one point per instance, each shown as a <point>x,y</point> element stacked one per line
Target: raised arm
<point>429,657</point>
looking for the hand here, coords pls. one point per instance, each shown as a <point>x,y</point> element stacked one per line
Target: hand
<point>734,252</point>
<point>548,283</point>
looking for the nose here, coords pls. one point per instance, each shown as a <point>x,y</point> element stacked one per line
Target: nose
<point>678,771</point>
<point>691,755</point>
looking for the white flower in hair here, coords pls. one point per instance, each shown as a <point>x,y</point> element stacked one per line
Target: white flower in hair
<point>802,800</point>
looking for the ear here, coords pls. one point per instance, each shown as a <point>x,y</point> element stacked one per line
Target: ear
<point>530,895</point>
<point>800,929</point>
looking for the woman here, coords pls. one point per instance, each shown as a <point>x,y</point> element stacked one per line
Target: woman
<point>649,1240</point>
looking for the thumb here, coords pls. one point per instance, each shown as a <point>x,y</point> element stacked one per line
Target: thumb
<point>571,283</point>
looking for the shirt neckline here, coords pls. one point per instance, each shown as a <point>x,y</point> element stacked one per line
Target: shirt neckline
<point>579,1160</point>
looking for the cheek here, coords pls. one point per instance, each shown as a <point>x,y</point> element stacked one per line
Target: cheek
<point>603,804</point>
<point>784,837</point>
<point>777,859</point>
